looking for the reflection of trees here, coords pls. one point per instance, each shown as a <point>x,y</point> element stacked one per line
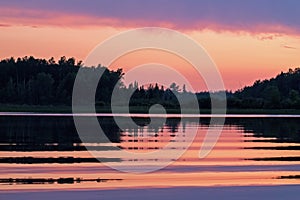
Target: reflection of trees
<point>61,130</point>
<point>50,130</point>
<point>151,134</point>
<point>156,125</point>
<point>172,124</point>
<point>284,129</point>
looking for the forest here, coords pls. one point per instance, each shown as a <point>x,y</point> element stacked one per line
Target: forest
<point>280,92</point>
<point>32,81</point>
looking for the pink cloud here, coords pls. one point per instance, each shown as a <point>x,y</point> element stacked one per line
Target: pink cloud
<point>36,17</point>
<point>288,47</point>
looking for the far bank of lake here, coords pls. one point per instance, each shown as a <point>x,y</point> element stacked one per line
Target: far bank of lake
<point>137,109</point>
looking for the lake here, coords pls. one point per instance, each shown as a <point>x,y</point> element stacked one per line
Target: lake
<point>44,151</point>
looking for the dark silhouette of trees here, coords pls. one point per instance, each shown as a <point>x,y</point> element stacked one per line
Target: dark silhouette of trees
<point>279,92</point>
<point>34,81</point>
<point>46,82</point>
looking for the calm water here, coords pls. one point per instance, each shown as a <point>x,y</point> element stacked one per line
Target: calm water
<point>45,152</point>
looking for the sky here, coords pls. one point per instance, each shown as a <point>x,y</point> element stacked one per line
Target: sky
<point>248,40</point>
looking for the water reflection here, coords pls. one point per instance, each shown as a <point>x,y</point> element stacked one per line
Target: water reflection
<point>71,180</point>
<point>282,129</point>
<point>251,149</point>
<point>27,134</point>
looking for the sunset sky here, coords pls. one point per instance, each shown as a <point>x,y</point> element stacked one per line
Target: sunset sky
<point>248,40</point>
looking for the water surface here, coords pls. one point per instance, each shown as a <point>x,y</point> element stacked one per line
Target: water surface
<point>44,151</point>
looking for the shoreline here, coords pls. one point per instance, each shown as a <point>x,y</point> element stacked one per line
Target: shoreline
<point>146,115</point>
<point>138,110</point>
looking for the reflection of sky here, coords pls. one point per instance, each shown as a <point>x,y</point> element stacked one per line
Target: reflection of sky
<point>225,166</point>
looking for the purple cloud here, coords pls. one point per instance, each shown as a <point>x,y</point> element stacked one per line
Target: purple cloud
<point>249,15</point>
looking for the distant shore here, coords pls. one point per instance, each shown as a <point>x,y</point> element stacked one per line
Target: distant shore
<point>135,109</point>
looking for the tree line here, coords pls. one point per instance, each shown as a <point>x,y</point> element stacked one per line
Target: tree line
<point>33,81</point>
<point>280,92</point>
